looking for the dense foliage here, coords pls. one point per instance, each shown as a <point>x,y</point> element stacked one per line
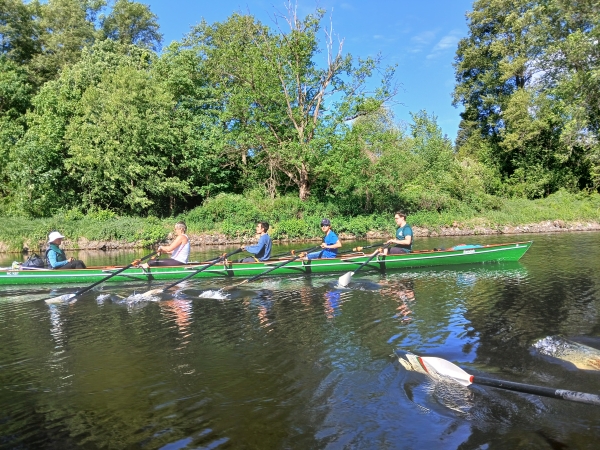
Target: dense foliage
<point>528,76</point>
<point>97,118</point>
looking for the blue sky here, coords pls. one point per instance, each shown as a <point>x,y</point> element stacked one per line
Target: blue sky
<point>420,36</point>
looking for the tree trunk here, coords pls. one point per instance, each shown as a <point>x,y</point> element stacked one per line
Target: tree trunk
<point>304,183</point>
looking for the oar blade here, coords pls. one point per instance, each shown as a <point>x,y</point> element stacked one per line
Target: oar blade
<point>344,280</point>
<point>441,368</point>
<point>436,368</point>
<point>60,299</point>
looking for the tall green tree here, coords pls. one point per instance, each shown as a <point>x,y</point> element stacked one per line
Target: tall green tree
<point>130,22</point>
<point>19,30</point>
<point>524,76</point>
<point>66,27</point>
<point>275,91</point>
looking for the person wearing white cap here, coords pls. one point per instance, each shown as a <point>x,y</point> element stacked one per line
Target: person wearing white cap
<point>55,256</point>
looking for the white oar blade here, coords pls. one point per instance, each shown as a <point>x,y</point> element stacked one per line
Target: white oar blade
<point>441,368</point>
<point>437,368</point>
<point>344,280</point>
<point>60,299</point>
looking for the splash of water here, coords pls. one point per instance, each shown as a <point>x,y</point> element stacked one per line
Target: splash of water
<point>219,295</point>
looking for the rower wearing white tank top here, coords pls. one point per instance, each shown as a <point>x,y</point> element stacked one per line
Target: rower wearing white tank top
<point>179,248</point>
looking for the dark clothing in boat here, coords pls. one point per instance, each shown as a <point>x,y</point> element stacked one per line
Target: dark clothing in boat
<point>398,251</point>
<point>165,262</point>
<point>248,259</point>
<point>75,264</point>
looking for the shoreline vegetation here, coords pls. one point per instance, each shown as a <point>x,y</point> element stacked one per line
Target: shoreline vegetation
<point>110,138</point>
<point>230,219</point>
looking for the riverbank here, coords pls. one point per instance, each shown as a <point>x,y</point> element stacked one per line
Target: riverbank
<point>230,220</point>
<point>209,239</point>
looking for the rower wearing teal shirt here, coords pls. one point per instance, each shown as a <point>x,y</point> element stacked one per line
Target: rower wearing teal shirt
<point>55,256</point>
<point>404,236</point>
<point>330,242</point>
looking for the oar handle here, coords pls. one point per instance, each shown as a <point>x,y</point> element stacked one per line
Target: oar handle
<point>561,394</point>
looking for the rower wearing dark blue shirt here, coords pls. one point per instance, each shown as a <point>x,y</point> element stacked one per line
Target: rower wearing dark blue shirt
<point>262,250</point>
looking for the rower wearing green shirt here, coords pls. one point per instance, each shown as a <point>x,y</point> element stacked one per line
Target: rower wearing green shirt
<point>404,236</point>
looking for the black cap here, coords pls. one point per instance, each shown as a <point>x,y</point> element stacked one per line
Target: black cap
<point>325,223</point>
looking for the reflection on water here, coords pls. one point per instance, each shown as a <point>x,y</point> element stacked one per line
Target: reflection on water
<point>297,362</point>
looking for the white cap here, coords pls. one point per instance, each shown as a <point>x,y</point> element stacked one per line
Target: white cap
<point>54,236</point>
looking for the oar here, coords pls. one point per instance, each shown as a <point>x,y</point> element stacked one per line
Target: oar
<point>195,272</point>
<point>66,297</point>
<point>440,368</point>
<point>360,249</point>
<point>345,279</point>
<point>299,255</point>
<point>291,252</point>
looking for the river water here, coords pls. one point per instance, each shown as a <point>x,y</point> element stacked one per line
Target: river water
<point>294,362</point>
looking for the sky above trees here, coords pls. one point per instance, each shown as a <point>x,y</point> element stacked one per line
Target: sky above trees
<point>421,37</point>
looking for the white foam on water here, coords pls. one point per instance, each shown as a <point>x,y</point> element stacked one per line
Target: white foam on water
<point>219,295</point>
<point>66,298</point>
<point>140,298</point>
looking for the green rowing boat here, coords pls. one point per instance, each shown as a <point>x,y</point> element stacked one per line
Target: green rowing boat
<point>463,254</point>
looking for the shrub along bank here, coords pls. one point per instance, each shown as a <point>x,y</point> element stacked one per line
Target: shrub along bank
<point>231,218</point>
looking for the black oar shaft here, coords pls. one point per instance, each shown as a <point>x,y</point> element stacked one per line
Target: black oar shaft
<point>255,277</point>
<point>367,261</point>
<point>81,291</point>
<point>561,394</point>
<point>196,272</point>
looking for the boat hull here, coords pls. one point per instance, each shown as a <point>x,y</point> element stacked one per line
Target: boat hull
<point>431,258</point>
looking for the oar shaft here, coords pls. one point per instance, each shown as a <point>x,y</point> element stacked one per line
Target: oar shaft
<point>367,261</point>
<point>272,269</point>
<point>255,277</point>
<point>561,394</point>
<point>92,286</point>
<point>196,272</point>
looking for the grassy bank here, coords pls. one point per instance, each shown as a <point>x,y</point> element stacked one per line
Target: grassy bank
<point>234,216</point>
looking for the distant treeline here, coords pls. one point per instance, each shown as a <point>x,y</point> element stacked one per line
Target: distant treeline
<point>96,118</point>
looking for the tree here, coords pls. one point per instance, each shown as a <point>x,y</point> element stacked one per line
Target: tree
<point>18,30</point>
<point>130,22</point>
<point>524,76</point>
<point>66,27</point>
<point>276,93</point>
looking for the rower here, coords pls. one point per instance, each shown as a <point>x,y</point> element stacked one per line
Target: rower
<point>330,244</point>
<point>404,236</point>
<point>179,248</point>
<point>55,256</point>
<point>262,250</point>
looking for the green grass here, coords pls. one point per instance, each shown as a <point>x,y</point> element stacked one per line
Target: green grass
<point>235,216</point>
